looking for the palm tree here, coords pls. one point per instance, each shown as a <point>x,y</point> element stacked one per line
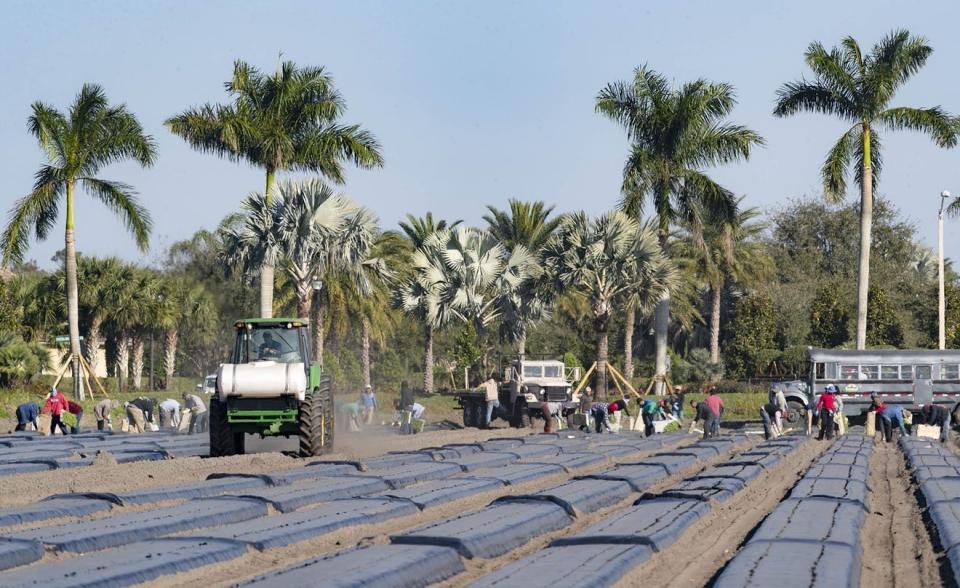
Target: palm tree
<point>603,261</point>
<point>727,250</point>
<point>419,229</point>
<point>525,223</point>
<point>79,144</point>
<point>675,135</point>
<point>287,121</point>
<point>310,232</point>
<point>858,89</point>
<point>99,279</point>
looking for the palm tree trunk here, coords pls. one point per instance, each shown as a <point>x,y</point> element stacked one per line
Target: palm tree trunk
<point>365,353</point>
<point>136,366</point>
<point>123,360</point>
<point>267,270</point>
<point>866,229</point>
<point>169,356</point>
<point>715,325</point>
<point>94,341</point>
<point>661,324</point>
<point>600,382</point>
<point>428,363</point>
<point>521,345</point>
<point>73,305</point>
<point>305,305</point>
<point>628,326</point>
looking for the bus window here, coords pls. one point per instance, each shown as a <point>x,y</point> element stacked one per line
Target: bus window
<point>906,372</point>
<point>923,372</point>
<point>890,372</point>
<point>820,372</point>
<point>950,371</point>
<point>849,372</point>
<point>869,372</point>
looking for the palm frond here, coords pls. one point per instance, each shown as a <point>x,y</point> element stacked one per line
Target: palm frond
<point>121,199</point>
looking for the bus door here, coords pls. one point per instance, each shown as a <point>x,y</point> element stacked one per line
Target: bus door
<point>923,391</point>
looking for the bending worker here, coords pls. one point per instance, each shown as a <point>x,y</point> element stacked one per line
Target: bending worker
<point>934,414</point>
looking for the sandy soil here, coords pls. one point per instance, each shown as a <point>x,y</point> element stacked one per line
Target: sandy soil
<point>104,477</point>
<point>716,537</point>
<point>898,546</point>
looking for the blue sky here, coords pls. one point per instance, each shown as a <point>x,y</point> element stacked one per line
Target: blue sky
<point>473,102</point>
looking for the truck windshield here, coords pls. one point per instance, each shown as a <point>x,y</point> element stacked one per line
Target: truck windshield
<point>532,371</point>
<point>271,343</point>
<point>552,371</point>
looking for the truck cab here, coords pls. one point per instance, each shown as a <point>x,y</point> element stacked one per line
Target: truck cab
<point>542,381</point>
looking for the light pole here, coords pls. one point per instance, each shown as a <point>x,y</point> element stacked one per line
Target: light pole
<point>944,196</point>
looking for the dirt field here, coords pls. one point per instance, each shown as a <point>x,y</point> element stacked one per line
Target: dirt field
<point>901,545</point>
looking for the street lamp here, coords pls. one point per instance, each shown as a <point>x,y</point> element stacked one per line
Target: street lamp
<point>944,196</point>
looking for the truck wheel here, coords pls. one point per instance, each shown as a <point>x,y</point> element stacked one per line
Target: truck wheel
<point>795,413</point>
<point>316,434</point>
<point>469,414</point>
<point>521,416</point>
<point>223,441</point>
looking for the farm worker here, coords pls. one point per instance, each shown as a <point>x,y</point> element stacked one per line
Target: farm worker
<point>193,403</point>
<point>676,403</point>
<point>368,400</point>
<point>586,400</point>
<point>102,413</point>
<point>702,413</point>
<point>146,405</point>
<point>417,410</point>
<point>55,406</point>
<point>270,348</point>
<point>770,414</point>
<point>838,419</point>
<point>892,416</point>
<point>352,409</point>
<point>777,397</point>
<point>937,415</point>
<point>715,403</point>
<point>598,411</point>
<point>492,397</point>
<point>134,417</point>
<point>550,410</point>
<point>826,405</point>
<point>77,411</point>
<point>648,411</point>
<point>170,412</point>
<point>27,414</point>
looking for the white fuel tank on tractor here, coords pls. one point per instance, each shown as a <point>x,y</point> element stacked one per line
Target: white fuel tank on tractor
<point>261,379</point>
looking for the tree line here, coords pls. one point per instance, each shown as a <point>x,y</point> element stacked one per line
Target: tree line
<point>680,260</point>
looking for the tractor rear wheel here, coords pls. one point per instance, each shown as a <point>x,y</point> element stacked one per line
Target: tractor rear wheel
<point>316,422</point>
<point>223,441</point>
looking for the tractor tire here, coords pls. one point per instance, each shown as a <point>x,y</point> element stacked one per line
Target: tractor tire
<point>223,441</point>
<point>316,428</point>
<point>795,413</point>
<point>469,414</point>
<point>326,387</point>
<point>521,418</point>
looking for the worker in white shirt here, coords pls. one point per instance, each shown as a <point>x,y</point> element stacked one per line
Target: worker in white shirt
<point>492,395</point>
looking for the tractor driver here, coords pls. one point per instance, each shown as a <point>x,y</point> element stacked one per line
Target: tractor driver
<point>270,348</point>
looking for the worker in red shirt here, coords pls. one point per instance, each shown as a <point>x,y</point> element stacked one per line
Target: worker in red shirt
<point>55,405</point>
<point>826,406</point>
<point>715,404</point>
<point>77,411</point>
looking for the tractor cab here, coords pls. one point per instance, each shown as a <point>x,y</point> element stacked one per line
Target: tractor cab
<point>271,387</point>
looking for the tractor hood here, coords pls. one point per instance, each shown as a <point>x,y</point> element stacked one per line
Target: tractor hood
<point>261,379</point>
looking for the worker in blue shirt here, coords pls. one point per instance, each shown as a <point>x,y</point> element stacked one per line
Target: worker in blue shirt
<point>27,413</point>
<point>892,416</point>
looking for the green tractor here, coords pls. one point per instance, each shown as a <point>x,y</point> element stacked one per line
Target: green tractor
<point>271,388</point>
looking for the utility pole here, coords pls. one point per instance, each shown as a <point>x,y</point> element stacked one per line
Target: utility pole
<point>944,196</point>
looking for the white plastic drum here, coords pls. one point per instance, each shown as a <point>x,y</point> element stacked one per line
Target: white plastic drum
<point>262,379</point>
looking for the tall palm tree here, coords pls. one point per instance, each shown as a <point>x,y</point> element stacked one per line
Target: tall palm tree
<point>287,121</point>
<point>527,224</point>
<point>727,250</point>
<point>419,229</point>
<point>858,89</point>
<point>524,223</point>
<point>78,144</point>
<point>310,232</point>
<point>603,260</point>
<point>675,135</point>
<point>99,279</point>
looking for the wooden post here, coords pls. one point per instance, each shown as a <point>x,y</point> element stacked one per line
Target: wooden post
<point>585,379</point>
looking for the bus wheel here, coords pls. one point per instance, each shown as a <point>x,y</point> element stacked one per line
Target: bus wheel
<point>795,412</point>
